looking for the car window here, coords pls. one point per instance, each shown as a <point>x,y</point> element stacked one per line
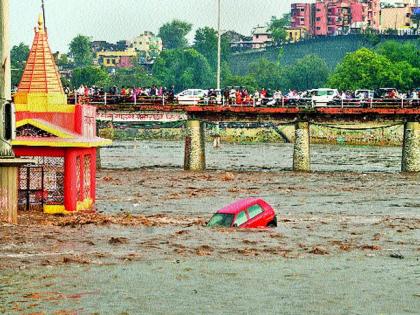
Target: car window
<point>254,210</point>
<point>221,219</point>
<point>241,218</point>
<point>321,93</point>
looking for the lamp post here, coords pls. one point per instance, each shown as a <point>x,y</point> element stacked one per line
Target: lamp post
<point>219,43</point>
<point>5,79</point>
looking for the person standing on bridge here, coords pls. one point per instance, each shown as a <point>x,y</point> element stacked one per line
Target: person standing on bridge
<point>226,96</point>
<point>263,93</point>
<point>238,97</point>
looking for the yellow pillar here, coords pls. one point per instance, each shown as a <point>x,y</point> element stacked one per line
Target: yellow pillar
<point>195,157</point>
<point>411,148</point>
<point>302,150</point>
<point>8,193</point>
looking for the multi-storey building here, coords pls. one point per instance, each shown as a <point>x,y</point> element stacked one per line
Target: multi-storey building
<point>399,16</point>
<point>116,59</point>
<point>148,46</point>
<point>332,17</point>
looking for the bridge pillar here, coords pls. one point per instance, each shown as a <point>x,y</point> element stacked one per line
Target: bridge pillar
<point>302,152</point>
<point>195,156</point>
<point>98,159</point>
<point>411,147</point>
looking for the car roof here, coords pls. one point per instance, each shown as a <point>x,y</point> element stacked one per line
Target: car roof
<point>240,205</point>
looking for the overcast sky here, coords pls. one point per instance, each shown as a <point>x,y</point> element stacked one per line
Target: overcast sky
<point>113,20</point>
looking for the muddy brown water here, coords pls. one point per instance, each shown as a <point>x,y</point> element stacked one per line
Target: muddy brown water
<point>147,250</point>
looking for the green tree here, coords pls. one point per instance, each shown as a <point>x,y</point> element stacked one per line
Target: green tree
<point>266,74</point>
<point>89,76</point>
<point>63,62</point>
<point>183,68</point>
<point>307,73</point>
<point>367,69</point>
<point>247,81</point>
<point>371,36</point>
<point>18,56</point>
<point>205,42</point>
<point>404,76</point>
<point>278,26</point>
<point>132,77</point>
<point>174,34</point>
<point>65,82</point>
<point>397,52</point>
<point>81,51</point>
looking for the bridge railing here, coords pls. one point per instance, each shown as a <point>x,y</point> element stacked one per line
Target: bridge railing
<point>125,101</point>
<point>111,99</point>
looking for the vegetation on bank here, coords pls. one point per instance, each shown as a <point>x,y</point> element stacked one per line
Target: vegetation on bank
<point>391,136</point>
<point>389,64</point>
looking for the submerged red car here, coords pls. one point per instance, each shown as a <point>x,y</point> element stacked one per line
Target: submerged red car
<point>245,213</point>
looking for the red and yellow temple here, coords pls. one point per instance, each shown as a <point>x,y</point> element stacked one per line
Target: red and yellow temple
<point>60,138</point>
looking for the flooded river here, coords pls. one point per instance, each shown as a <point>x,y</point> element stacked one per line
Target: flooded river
<point>348,240</point>
<point>254,157</point>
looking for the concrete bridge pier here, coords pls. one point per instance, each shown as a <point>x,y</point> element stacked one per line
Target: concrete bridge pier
<point>98,159</point>
<point>411,148</point>
<point>195,156</point>
<point>302,151</point>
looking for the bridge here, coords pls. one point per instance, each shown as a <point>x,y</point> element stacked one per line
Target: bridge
<point>196,116</point>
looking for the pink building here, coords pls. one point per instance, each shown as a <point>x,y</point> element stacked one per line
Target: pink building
<point>320,19</point>
<point>358,12</point>
<point>301,15</point>
<point>261,37</point>
<point>333,17</point>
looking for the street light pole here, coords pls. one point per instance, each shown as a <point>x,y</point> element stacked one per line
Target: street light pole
<point>5,81</point>
<point>8,164</point>
<point>219,43</point>
<point>5,78</point>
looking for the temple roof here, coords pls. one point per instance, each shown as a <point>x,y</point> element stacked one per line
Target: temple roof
<point>41,133</point>
<point>41,73</point>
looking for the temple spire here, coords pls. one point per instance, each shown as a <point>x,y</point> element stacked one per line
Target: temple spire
<point>41,27</point>
<point>41,81</point>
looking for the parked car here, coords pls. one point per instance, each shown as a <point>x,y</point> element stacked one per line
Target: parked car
<point>364,94</point>
<point>245,213</point>
<point>321,97</point>
<point>191,96</point>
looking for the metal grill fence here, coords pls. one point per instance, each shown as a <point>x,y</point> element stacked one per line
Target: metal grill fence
<point>41,183</point>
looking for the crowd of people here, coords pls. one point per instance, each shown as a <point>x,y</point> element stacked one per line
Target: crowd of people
<point>130,93</point>
<point>235,95</point>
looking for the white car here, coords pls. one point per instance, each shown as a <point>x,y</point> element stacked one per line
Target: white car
<point>321,97</point>
<point>191,96</point>
<point>364,94</point>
